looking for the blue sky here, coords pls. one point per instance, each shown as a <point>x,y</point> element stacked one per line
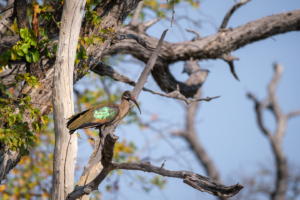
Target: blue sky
<point>226,126</point>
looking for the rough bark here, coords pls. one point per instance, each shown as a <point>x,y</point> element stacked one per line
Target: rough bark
<point>211,47</point>
<point>65,152</point>
<point>7,18</point>
<point>276,139</point>
<point>20,9</point>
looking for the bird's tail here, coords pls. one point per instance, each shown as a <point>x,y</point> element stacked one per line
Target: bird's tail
<point>71,131</point>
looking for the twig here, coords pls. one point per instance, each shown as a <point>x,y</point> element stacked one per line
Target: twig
<point>105,70</point>
<point>195,32</point>
<point>162,165</point>
<point>146,72</point>
<point>173,13</point>
<point>230,12</point>
<point>229,59</point>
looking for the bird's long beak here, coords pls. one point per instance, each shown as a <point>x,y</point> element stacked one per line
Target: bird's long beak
<point>134,100</point>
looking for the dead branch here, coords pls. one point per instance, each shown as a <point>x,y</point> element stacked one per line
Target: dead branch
<point>211,47</point>
<point>105,70</point>
<point>195,32</point>
<point>231,11</point>
<point>199,182</point>
<point>275,139</point>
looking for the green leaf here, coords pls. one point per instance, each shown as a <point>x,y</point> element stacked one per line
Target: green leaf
<point>33,43</point>
<point>24,33</point>
<point>55,48</point>
<point>35,55</point>
<point>20,52</point>
<point>47,53</point>
<point>13,55</point>
<point>28,57</point>
<point>32,36</point>
<point>9,94</point>
<point>25,47</point>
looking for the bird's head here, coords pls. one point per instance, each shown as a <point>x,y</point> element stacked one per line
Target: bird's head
<point>127,95</point>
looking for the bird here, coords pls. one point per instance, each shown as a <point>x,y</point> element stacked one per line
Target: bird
<point>102,115</point>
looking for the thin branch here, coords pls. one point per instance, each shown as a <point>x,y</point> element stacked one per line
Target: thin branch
<point>199,182</point>
<point>150,23</point>
<point>177,95</point>
<point>231,11</point>
<point>195,32</point>
<point>146,72</point>
<point>293,113</point>
<point>272,90</point>
<point>173,13</point>
<point>258,112</point>
<point>105,70</point>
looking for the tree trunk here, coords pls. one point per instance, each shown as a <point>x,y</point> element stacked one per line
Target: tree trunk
<point>65,152</point>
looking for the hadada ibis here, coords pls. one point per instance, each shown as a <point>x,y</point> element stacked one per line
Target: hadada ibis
<point>101,115</point>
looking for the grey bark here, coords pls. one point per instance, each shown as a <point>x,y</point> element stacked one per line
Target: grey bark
<point>7,18</point>
<point>65,152</point>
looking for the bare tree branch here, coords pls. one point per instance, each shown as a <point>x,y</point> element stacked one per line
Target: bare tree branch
<point>231,11</point>
<point>146,72</point>
<point>293,113</point>
<point>275,139</point>
<point>211,47</point>
<point>189,134</point>
<point>105,70</point>
<point>199,182</point>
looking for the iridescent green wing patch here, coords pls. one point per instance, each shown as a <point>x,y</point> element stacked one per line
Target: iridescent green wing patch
<point>105,113</point>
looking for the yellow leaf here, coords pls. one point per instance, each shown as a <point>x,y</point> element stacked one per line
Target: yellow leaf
<point>2,188</point>
<point>92,141</point>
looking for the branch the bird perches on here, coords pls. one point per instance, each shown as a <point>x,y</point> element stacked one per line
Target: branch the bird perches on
<point>105,155</point>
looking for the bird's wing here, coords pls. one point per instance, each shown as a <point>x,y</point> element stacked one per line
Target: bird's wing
<point>96,116</point>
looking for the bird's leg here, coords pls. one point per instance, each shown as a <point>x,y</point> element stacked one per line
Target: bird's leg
<point>101,135</point>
